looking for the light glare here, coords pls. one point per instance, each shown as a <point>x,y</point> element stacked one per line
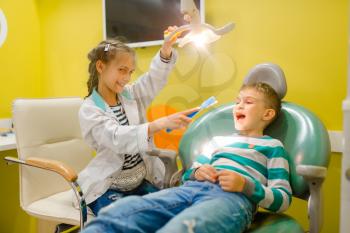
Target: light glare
<point>199,39</point>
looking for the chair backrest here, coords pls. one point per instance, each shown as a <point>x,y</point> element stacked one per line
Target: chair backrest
<point>48,128</point>
<point>304,137</point>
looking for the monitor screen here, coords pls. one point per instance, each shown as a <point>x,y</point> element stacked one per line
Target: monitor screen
<point>141,23</point>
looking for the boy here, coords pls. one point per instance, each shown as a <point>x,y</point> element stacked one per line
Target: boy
<point>230,178</point>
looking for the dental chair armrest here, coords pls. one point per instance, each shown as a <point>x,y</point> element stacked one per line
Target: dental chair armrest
<point>47,164</point>
<point>315,176</point>
<point>312,172</point>
<point>162,152</point>
<point>168,157</point>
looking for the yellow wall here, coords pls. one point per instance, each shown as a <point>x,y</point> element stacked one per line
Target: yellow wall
<point>20,54</point>
<point>307,38</point>
<point>20,76</point>
<point>68,30</point>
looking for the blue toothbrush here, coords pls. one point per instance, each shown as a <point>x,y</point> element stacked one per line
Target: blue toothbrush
<point>206,104</point>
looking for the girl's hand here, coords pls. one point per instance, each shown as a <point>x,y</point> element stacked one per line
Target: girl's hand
<point>174,121</point>
<point>165,51</point>
<point>231,181</point>
<point>206,172</point>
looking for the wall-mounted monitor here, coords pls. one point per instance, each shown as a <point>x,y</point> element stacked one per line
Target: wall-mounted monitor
<point>142,22</point>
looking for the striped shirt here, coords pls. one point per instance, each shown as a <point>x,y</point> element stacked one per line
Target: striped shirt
<point>130,161</point>
<point>134,170</point>
<point>262,161</point>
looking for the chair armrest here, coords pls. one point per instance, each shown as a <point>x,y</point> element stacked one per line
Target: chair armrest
<point>311,172</point>
<point>315,176</point>
<point>52,165</point>
<point>65,171</point>
<point>168,157</point>
<point>162,152</point>
<point>47,164</point>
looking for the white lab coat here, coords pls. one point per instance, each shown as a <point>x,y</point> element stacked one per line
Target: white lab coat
<point>111,141</point>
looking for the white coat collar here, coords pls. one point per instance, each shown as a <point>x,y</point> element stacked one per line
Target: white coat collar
<point>129,104</point>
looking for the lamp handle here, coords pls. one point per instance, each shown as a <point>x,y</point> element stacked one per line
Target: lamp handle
<point>179,30</point>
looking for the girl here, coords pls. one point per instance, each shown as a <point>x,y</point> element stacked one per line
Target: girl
<point>113,122</point>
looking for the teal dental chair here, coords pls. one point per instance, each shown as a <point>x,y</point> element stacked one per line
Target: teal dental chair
<point>305,139</point>
<point>307,143</point>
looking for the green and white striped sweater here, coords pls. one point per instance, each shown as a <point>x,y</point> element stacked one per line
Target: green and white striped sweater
<point>262,161</point>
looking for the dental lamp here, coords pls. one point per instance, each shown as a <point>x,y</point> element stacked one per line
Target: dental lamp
<point>199,33</point>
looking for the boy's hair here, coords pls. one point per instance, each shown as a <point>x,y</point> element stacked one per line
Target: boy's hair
<point>271,98</point>
<point>105,51</point>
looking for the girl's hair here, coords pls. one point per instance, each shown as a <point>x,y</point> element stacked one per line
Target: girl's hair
<point>105,51</point>
<point>271,98</point>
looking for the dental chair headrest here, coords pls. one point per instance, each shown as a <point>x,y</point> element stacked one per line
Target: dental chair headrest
<point>270,74</point>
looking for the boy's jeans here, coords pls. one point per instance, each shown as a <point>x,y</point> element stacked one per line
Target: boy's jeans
<point>193,207</point>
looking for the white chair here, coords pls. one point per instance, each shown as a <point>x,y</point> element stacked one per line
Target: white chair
<point>48,137</point>
<point>47,131</point>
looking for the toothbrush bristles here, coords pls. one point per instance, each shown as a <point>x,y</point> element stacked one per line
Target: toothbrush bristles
<point>209,102</point>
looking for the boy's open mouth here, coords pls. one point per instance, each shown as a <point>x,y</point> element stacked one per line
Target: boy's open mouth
<point>240,116</point>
